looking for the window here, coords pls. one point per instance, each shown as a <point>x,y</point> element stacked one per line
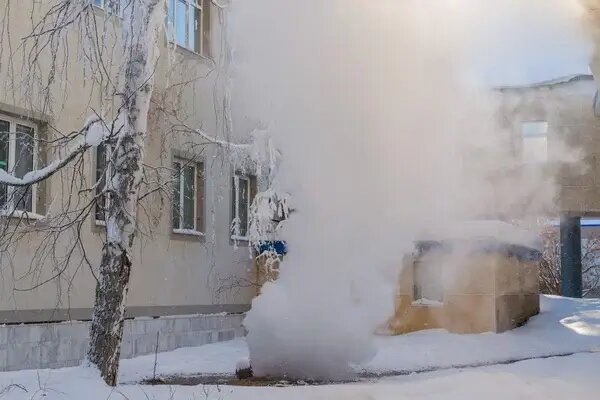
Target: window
<point>103,174</point>
<point>535,141</point>
<point>18,156</point>
<point>188,25</point>
<point>188,197</point>
<point>428,288</point>
<point>111,6</point>
<point>242,195</point>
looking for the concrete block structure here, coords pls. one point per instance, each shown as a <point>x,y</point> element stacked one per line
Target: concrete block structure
<point>64,344</point>
<point>467,286</point>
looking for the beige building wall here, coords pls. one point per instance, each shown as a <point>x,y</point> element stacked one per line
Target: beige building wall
<point>172,274</point>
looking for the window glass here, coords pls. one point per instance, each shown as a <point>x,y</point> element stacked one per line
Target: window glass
<point>189,189</point>
<point>180,23</point>
<point>101,172</point>
<point>185,196</point>
<point>171,16</point>
<point>535,129</point>
<point>17,157</point>
<point>535,141</point>
<point>112,7</point>
<point>176,194</point>
<point>195,29</point>
<point>243,205</point>
<point>4,143</point>
<point>24,145</point>
<point>240,198</point>
<point>188,22</point>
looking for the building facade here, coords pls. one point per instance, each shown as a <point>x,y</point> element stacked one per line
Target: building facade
<point>188,259</point>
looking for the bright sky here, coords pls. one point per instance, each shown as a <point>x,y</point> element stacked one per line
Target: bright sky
<point>531,41</point>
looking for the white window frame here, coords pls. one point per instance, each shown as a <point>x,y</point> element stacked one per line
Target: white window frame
<point>195,231</point>
<point>12,148</point>
<point>236,203</point>
<point>172,25</point>
<point>107,176</point>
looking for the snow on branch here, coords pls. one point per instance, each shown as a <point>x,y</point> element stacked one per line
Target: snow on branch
<point>92,134</point>
<point>219,142</point>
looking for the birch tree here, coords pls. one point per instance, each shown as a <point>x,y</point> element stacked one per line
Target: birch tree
<point>142,20</point>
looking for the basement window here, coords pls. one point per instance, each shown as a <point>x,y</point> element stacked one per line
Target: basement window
<point>534,141</point>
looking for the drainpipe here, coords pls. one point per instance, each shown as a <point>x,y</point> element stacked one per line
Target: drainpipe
<point>570,256</point>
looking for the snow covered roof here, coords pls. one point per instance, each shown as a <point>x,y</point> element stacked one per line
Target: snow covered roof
<point>491,230</point>
<point>548,83</point>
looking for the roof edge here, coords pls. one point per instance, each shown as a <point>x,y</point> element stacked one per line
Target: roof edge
<point>549,83</point>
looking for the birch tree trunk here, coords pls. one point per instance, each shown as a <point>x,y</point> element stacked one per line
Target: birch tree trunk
<point>141,25</point>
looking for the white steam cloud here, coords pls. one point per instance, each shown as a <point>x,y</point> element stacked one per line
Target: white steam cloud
<point>386,129</point>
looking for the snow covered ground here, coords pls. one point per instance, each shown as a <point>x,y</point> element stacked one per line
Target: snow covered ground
<point>565,326</point>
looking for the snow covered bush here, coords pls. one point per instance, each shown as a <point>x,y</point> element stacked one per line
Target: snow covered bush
<point>550,274</point>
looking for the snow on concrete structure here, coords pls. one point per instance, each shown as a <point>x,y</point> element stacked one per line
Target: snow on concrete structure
<point>480,277</point>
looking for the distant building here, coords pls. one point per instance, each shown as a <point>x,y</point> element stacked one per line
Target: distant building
<point>555,130</point>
